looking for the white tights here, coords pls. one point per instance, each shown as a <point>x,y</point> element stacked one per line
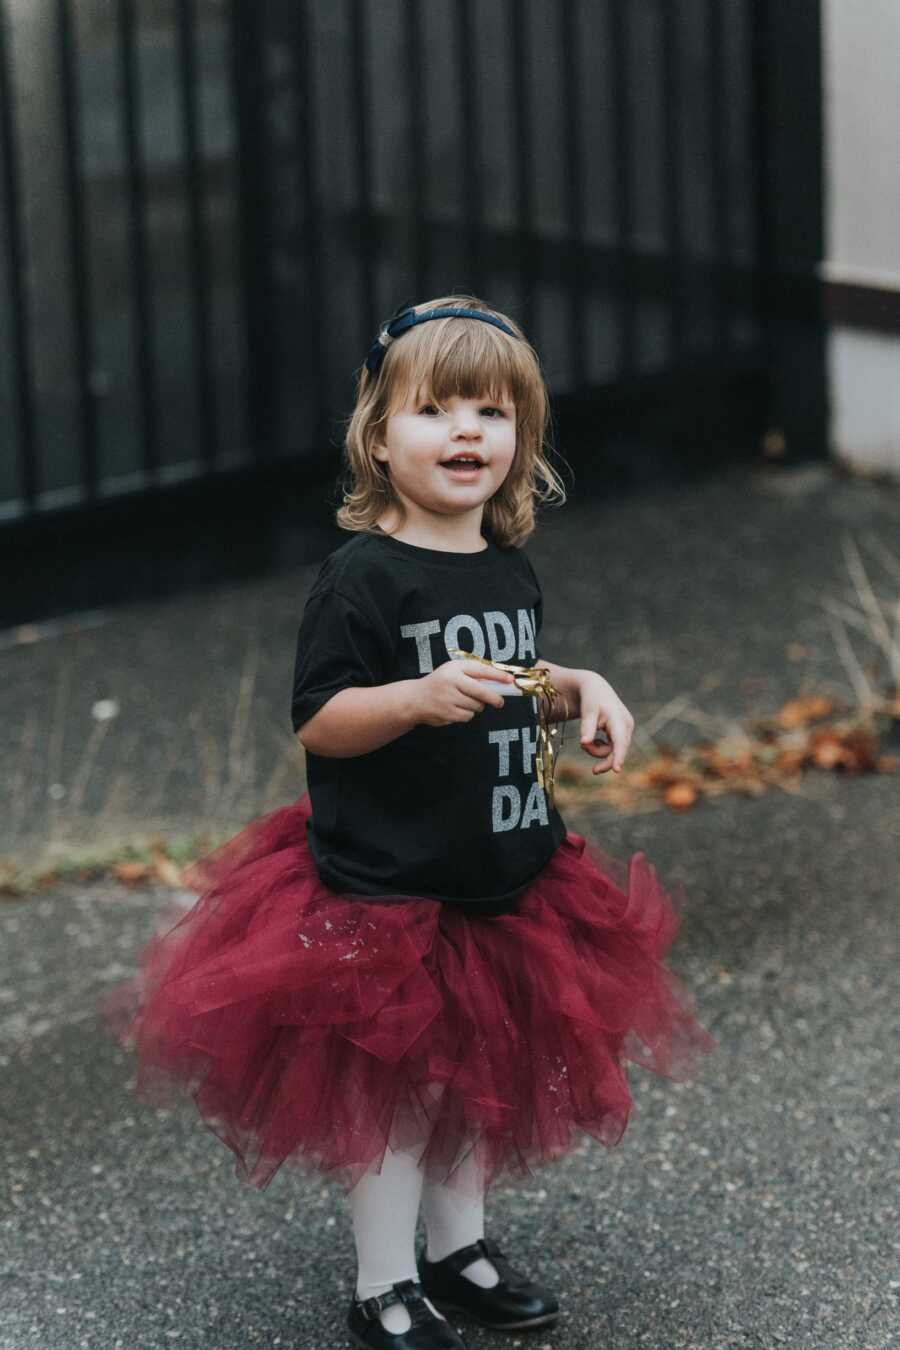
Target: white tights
<point>384,1208</point>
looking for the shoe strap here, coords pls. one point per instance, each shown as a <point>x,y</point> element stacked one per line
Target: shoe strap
<point>409,1292</point>
<point>457,1261</point>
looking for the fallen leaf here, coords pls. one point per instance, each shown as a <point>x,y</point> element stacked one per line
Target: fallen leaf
<point>130,872</point>
<point>680,796</point>
<point>799,711</point>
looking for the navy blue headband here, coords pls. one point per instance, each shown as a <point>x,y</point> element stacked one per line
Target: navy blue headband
<point>406,318</point>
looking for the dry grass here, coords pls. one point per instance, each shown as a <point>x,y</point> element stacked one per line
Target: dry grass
<point>817,732</point>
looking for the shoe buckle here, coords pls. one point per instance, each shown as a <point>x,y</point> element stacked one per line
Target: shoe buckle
<point>405,1291</point>
<point>372,1307</point>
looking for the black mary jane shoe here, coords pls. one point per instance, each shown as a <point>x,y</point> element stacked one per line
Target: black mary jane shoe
<point>514,1304</point>
<point>426,1332</point>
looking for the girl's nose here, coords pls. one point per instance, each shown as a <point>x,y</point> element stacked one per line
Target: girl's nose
<point>466,424</point>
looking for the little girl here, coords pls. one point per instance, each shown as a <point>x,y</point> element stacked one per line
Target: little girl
<point>415,979</point>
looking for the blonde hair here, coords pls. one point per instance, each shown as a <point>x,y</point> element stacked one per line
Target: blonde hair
<point>470,359</point>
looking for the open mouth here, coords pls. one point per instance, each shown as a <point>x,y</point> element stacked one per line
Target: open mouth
<point>463,468</point>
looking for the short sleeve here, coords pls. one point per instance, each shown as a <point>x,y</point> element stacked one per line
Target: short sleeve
<point>338,648</point>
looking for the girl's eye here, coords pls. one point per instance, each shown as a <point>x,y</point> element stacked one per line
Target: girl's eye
<point>431,408</point>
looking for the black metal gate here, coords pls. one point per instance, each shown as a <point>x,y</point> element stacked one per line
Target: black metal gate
<point>208,205</point>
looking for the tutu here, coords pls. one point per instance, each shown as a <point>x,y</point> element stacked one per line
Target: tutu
<point>318,1028</point>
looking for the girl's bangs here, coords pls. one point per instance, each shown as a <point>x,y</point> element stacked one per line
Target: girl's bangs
<point>472,361</point>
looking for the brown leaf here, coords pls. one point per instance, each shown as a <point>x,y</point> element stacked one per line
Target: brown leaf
<point>861,752</point>
<point>826,750</point>
<point>790,761</point>
<point>799,711</point>
<point>680,796</point>
<point>853,750</point>
<point>663,770</point>
<point>131,872</point>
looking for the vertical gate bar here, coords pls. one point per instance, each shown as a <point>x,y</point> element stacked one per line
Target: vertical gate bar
<point>312,346</point>
<point>789,218</point>
<point>669,58</point>
<point>760,156</point>
<point>575,267</point>
<point>468,76</point>
<point>198,243</point>
<point>256,302</point>
<point>78,243</point>
<point>623,151</point>
<point>367,242</point>
<point>23,375</point>
<point>145,352</point>
<point>418,150</point>
<point>526,251</point>
<point>716,95</point>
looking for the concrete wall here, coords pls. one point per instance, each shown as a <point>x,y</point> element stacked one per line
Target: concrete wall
<point>861,59</point>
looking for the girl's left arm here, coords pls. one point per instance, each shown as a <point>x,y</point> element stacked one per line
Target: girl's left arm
<point>584,694</point>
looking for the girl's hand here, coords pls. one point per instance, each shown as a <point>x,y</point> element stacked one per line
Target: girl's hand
<point>455,692</point>
<point>603,710</point>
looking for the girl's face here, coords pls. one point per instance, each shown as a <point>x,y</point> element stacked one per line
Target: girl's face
<point>419,440</point>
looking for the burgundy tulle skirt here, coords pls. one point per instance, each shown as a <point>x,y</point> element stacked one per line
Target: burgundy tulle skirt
<point>316,1028</point>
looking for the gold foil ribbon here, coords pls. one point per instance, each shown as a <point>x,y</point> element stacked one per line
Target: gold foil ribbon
<point>534,680</point>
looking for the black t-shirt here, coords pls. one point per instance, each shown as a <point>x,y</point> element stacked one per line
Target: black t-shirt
<point>454,813</point>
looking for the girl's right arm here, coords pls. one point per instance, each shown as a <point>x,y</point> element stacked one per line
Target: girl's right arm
<point>359,719</point>
<point>355,721</point>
